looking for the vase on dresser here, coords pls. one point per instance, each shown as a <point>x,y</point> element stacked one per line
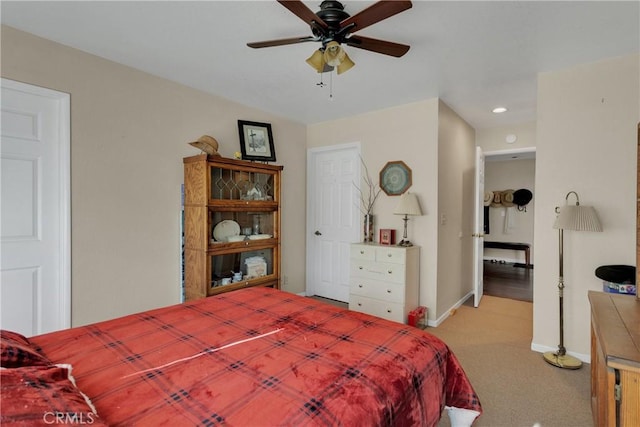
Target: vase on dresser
<point>368,228</point>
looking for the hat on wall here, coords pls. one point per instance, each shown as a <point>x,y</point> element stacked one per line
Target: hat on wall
<point>208,144</point>
<point>497,199</point>
<point>522,197</point>
<point>488,197</point>
<point>507,198</point>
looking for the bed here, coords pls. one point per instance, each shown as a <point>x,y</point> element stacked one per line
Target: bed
<point>252,357</point>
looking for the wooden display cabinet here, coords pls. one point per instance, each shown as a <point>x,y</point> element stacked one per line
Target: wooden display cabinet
<point>221,197</point>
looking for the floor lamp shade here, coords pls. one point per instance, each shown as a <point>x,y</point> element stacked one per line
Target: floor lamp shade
<point>573,218</point>
<point>578,218</point>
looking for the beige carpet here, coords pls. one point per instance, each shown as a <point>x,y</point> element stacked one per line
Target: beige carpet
<point>515,385</point>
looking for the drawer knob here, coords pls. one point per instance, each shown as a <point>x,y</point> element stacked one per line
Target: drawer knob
<point>388,291</point>
<point>359,304</point>
<point>390,271</point>
<point>361,252</point>
<point>359,267</point>
<point>359,286</point>
<point>388,310</point>
<point>389,255</point>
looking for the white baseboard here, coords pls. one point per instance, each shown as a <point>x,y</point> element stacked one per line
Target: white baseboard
<point>452,310</point>
<point>302,294</point>
<point>585,358</point>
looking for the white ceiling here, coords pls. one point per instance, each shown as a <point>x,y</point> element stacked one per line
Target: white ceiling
<point>473,55</point>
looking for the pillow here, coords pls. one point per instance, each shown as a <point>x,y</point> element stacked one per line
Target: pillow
<point>17,351</point>
<point>44,395</point>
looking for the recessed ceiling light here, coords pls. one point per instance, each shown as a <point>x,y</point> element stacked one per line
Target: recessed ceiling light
<point>498,110</point>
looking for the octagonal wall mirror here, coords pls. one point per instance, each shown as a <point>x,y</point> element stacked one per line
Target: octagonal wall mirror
<point>395,178</point>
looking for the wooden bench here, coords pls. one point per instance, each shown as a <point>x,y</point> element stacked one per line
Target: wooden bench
<point>513,246</point>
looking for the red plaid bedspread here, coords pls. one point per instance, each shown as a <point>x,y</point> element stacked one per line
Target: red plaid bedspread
<point>261,357</point>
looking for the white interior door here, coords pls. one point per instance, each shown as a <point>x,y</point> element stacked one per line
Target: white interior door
<point>478,228</point>
<point>332,219</point>
<point>35,279</point>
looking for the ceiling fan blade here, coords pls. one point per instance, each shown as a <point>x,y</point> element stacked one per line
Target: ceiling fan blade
<point>282,42</point>
<point>379,46</point>
<point>303,12</point>
<point>375,13</point>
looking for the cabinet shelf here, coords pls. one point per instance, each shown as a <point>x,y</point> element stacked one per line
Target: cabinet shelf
<point>247,193</point>
<point>243,205</point>
<point>224,247</point>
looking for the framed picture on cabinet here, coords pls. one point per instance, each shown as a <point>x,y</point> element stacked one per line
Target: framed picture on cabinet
<point>256,141</point>
<point>387,236</point>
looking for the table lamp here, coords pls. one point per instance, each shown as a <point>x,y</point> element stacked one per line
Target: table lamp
<point>408,206</point>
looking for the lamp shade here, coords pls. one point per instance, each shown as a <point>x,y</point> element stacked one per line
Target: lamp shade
<point>577,217</point>
<point>334,54</point>
<point>345,65</point>
<point>408,205</point>
<point>317,61</point>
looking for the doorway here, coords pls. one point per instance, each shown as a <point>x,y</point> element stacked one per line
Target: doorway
<point>333,220</point>
<point>506,273</point>
<point>35,290</point>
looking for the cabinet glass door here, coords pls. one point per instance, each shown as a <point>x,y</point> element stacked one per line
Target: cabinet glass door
<point>231,184</point>
<point>232,268</point>
<point>236,226</point>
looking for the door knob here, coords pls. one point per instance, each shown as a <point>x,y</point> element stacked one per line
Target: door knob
<point>317,233</point>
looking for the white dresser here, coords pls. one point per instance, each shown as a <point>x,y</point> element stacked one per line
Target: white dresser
<point>384,280</point>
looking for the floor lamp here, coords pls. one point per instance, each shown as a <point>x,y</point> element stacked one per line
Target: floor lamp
<point>574,218</point>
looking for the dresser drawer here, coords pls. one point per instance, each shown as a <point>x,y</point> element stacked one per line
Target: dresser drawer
<point>363,252</point>
<point>391,254</point>
<point>377,271</point>
<point>386,310</point>
<point>385,291</point>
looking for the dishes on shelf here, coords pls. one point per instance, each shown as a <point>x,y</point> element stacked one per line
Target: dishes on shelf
<point>225,229</point>
<point>259,236</point>
<point>238,238</point>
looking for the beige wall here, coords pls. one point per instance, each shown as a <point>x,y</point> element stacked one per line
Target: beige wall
<point>504,175</point>
<point>129,132</point>
<point>408,133</point>
<point>416,133</point>
<point>456,166</point>
<point>586,142</point>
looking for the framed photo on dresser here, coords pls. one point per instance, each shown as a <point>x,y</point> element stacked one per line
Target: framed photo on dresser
<point>387,236</point>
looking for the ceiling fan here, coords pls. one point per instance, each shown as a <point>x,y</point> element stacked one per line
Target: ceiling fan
<point>334,27</point>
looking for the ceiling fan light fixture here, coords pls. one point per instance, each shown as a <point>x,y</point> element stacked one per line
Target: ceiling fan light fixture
<point>335,56</point>
<point>332,26</point>
<point>333,53</point>
<point>345,65</point>
<point>316,61</point>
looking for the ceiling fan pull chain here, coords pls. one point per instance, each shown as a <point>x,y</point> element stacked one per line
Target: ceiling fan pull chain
<point>330,86</point>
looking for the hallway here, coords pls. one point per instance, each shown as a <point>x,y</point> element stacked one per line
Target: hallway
<point>507,281</point>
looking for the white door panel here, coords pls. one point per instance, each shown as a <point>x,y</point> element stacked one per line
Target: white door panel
<point>478,228</point>
<point>34,221</point>
<point>333,219</point>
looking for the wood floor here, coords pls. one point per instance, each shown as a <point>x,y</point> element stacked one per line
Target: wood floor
<point>507,281</point>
